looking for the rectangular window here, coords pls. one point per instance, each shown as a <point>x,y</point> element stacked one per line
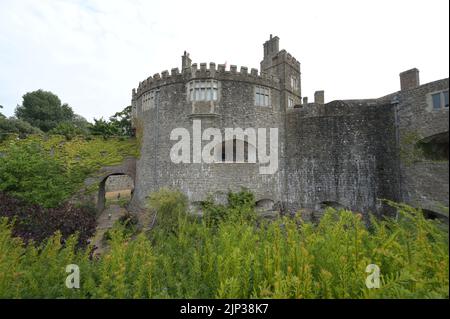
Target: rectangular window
<point>202,94</point>
<point>262,96</point>
<point>445,98</point>
<point>294,83</point>
<point>436,100</point>
<point>291,102</point>
<point>148,100</point>
<point>203,90</point>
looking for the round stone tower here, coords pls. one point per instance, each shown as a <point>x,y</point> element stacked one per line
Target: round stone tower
<point>232,121</point>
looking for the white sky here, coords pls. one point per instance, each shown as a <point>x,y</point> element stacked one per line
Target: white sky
<point>92,53</point>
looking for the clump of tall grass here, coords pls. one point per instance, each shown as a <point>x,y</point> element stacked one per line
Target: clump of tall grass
<point>237,257</point>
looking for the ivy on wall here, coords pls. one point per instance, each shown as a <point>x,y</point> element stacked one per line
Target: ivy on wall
<point>409,152</point>
<point>47,170</point>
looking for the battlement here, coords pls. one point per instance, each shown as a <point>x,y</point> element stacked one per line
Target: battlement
<point>284,56</point>
<point>205,70</point>
<point>197,72</point>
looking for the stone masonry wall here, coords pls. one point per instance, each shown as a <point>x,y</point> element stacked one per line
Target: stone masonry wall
<point>235,108</point>
<point>425,183</point>
<point>118,182</point>
<point>342,152</point>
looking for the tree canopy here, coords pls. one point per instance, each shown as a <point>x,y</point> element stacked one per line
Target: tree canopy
<point>118,125</point>
<point>44,110</point>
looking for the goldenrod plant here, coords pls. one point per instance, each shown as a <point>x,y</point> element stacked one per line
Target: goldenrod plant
<point>185,257</point>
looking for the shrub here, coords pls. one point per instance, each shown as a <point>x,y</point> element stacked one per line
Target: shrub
<point>12,125</point>
<point>169,207</point>
<point>30,173</point>
<point>47,171</point>
<point>36,223</point>
<point>241,207</point>
<point>68,130</point>
<point>235,259</point>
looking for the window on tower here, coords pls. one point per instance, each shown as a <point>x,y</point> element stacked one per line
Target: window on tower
<point>290,102</point>
<point>149,100</point>
<point>294,83</point>
<point>205,90</point>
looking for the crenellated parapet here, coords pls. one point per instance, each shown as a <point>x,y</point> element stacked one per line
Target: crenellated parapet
<point>212,70</point>
<point>286,57</point>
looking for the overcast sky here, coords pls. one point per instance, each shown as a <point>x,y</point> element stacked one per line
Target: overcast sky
<point>91,53</point>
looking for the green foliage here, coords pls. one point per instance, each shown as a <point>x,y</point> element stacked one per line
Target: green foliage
<point>44,110</point>
<point>118,125</point>
<point>169,206</point>
<point>47,171</point>
<point>15,126</point>
<point>287,258</point>
<point>68,130</point>
<point>240,208</point>
<point>123,121</point>
<point>78,126</point>
<point>29,173</point>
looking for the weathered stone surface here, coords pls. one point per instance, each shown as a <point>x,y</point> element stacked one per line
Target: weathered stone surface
<point>343,152</point>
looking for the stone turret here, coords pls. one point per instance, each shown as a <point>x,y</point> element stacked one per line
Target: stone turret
<point>185,61</point>
<point>281,64</point>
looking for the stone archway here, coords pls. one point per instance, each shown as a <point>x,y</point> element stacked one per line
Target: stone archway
<point>103,189</point>
<point>127,167</point>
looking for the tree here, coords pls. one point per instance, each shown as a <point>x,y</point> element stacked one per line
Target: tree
<point>15,126</point>
<point>123,121</point>
<point>77,126</point>
<point>118,125</point>
<point>44,110</point>
<point>1,115</point>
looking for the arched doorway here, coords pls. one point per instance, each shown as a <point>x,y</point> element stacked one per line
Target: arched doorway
<point>115,189</point>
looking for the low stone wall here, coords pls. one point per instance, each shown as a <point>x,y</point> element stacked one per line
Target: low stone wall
<point>119,182</point>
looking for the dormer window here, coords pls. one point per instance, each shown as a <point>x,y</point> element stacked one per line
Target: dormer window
<point>205,90</point>
<point>262,96</point>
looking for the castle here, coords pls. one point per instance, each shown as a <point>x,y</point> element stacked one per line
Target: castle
<point>345,153</point>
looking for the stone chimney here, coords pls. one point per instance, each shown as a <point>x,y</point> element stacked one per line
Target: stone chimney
<point>319,97</point>
<point>271,47</point>
<point>305,100</point>
<point>409,79</point>
<point>185,61</point>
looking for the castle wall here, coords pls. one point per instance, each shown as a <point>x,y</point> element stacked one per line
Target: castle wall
<point>234,108</point>
<point>425,182</point>
<point>342,152</point>
<point>116,183</point>
<point>351,153</point>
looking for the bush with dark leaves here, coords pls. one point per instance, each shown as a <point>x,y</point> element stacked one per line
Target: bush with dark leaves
<point>36,223</point>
